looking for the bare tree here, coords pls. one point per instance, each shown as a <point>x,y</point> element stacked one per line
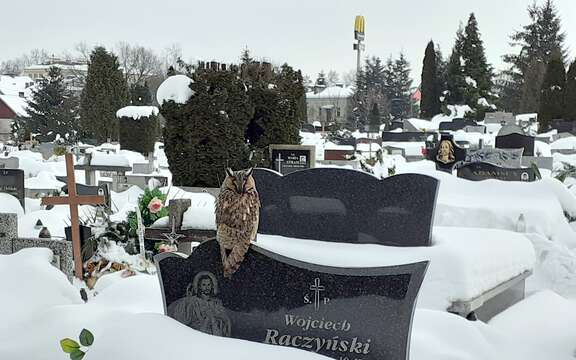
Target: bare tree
<point>332,78</point>
<point>170,56</point>
<point>349,78</point>
<point>137,62</point>
<point>16,65</point>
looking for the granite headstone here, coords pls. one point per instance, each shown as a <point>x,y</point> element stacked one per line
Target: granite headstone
<point>447,153</point>
<point>9,163</point>
<point>508,158</point>
<point>342,313</point>
<point>484,171</point>
<point>340,205</point>
<point>516,141</point>
<point>12,182</point>
<point>287,159</point>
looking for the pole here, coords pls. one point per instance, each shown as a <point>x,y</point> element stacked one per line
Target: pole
<point>358,51</point>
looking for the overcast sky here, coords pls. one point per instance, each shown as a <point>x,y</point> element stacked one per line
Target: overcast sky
<point>308,34</point>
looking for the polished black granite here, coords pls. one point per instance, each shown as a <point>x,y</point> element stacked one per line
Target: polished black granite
<point>447,153</point>
<point>516,141</point>
<point>12,182</point>
<point>483,171</point>
<point>342,313</point>
<point>339,205</point>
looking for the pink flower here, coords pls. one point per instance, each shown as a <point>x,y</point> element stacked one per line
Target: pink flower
<point>155,205</point>
<point>167,248</point>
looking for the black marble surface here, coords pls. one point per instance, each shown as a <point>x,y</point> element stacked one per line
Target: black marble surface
<point>446,161</point>
<point>342,313</point>
<point>456,124</point>
<point>516,141</point>
<point>407,136</point>
<point>12,182</point>
<point>483,171</point>
<point>347,206</point>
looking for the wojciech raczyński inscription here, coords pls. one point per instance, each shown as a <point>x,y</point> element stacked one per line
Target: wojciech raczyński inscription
<point>342,313</point>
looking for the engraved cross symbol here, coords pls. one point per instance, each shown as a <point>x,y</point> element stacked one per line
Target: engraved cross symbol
<point>279,161</point>
<point>317,288</point>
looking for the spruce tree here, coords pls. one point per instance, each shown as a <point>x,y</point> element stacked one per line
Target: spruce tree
<point>531,87</point>
<point>570,93</point>
<point>53,110</point>
<point>536,41</point>
<point>455,83</point>
<point>374,118</point>
<point>105,92</point>
<point>476,70</point>
<point>553,88</point>
<point>245,58</point>
<point>430,102</point>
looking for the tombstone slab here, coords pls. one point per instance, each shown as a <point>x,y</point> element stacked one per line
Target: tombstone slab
<point>12,182</point>
<point>516,141</point>
<point>447,153</point>
<point>354,313</point>
<point>290,158</point>
<point>483,171</point>
<point>339,205</point>
<point>8,232</point>
<point>508,158</point>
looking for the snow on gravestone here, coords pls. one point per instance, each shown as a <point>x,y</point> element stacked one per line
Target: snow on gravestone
<point>342,313</point>
<point>347,206</point>
<point>483,171</point>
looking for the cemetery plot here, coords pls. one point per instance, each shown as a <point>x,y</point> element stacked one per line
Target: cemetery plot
<point>360,313</point>
<point>290,158</point>
<point>516,141</point>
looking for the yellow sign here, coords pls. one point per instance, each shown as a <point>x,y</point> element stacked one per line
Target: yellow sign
<point>359,25</point>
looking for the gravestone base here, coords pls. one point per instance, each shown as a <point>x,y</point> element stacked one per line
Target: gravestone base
<point>62,250</point>
<point>493,301</point>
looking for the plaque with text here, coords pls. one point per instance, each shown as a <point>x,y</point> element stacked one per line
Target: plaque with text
<point>342,313</point>
<point>287,159</point>
<point>12,182</point>
<point>484,171</point>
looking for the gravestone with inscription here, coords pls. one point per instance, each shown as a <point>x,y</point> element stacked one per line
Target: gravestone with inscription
<point>340,205</point>
<point>12,182</point>
<point>342,313</point>
<point>9,163</point>
<point>508,158</point>
<point>516,141</point>
<point>447,153</point>
<point>483,171</point>
<point>287,159</point>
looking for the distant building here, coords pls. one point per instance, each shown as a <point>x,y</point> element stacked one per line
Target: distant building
<point>331,105</point>
<point>73,72</point>
<point>14,90</point>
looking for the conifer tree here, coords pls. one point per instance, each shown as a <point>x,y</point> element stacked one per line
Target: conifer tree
<point>531,87</point>
<point>477,72</point>
<point>246,58</point>
<point>374,118</point>
<point>536,41</point>
<point>570,94</point>
<point>53,110</point>
<point>455,83</point>
<point>553,90</point>
<point>105,92</point>
<point>429,87</point>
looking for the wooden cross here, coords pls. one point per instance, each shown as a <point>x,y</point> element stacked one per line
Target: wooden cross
<point>73,200</point>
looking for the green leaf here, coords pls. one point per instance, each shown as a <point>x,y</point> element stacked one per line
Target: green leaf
<point>77,354</point>
<point>86,338</point>
<point>69,345</point>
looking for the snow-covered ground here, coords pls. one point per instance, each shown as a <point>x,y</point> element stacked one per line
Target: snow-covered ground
<point>484,233</point>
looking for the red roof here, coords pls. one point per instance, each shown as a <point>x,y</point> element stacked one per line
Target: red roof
<point>5,111</point>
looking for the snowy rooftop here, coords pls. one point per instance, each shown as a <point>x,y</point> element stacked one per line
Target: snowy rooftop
<point>16,103</point>
<point>332,92</point>
<point>136,112</point>
<point>13,85</point>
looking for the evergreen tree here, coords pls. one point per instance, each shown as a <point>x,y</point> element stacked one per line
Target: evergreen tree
<point>441,67</point>
<point>321,80</point>
<point>537,41</point>
<point>570,94</point>
<point>140,94</point>
<point>455,83</point>
<point>429,87</point>
<point>477,72</point>
<point>370,89</point>
<point>52,111</point>
<point>246,58</point>
<point>105,92</point>
<point>374,118</point>
<point>531,87</point>
<point>553,88</point>
<point>171,71</point>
